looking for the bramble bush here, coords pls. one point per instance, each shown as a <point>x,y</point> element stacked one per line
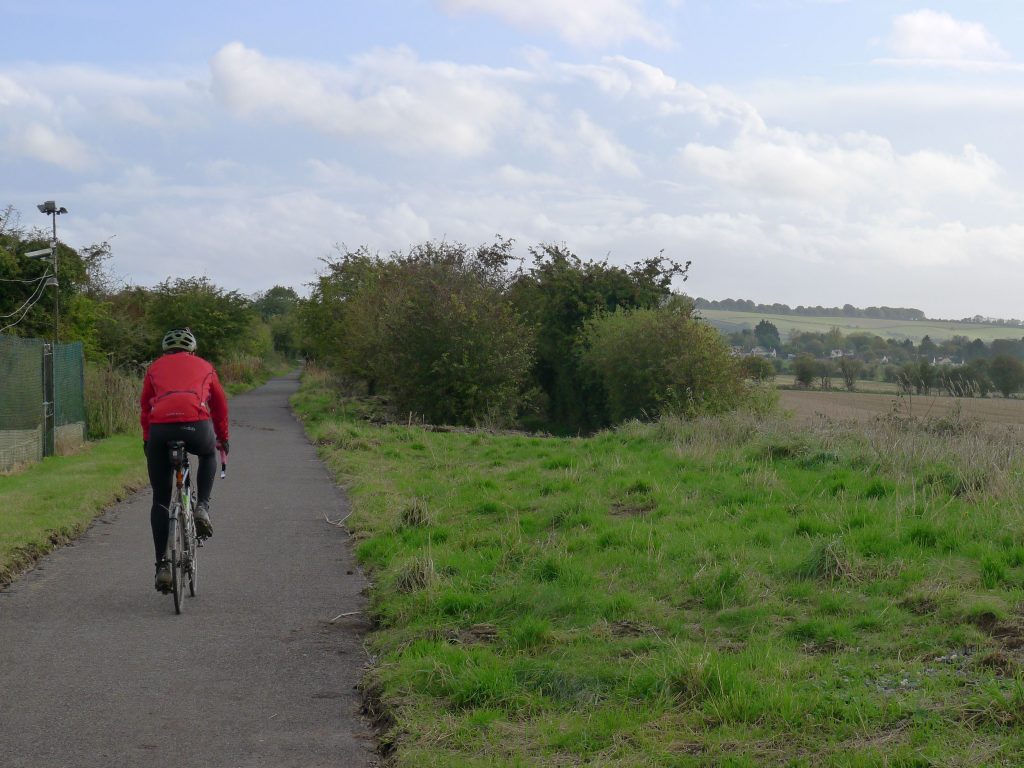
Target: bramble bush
<point>432,328</point>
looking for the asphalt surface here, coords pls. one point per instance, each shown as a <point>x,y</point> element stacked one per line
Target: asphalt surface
<point>97,670</point>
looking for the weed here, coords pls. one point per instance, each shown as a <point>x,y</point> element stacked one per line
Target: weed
<point>417,574</point>
<point>415,514</point>
<point>828,560</point>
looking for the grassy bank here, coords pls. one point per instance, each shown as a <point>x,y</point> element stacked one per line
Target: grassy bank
<point>729,592</point>
<point>53,501</point>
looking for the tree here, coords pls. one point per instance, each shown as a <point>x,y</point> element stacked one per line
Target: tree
<point>805,368</point>
<point>433,328</point>
<point>28,307</point>
<point>1007,374</point>
<point>849,368</point>
<point>757,368</point>
<point>452,345</point>
<point>656,361</point>
<point>556,296</point>
<point>767,335</point>
<point>223,321</point>
<point>275,302</point>
<point>825,371</point>
<point>927,347</point>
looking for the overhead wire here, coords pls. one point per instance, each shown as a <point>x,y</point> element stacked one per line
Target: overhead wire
<point>19,280</point>
<point>31,295</point>
<point>32,300</point>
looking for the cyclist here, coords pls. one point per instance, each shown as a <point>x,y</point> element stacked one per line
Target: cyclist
<point>182,399</point>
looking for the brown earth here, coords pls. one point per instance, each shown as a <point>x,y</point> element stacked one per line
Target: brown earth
<point>808,405</point>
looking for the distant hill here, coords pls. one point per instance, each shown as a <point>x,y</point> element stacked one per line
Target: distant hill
<point>847,311</point>
<point>915,330</point>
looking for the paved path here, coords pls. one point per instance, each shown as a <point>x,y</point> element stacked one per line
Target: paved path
<point>97,670</point>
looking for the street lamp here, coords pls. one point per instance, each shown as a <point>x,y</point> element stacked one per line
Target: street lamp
<point>50,208</point>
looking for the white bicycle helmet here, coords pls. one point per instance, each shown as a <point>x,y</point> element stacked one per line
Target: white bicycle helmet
<point>179,338</point>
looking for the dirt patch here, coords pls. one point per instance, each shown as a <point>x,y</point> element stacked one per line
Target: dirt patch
<point>825,647</point>
<point>887,737</point>
<point>636,508</point>
<point>1000,662</point>
<point>627,628</point>
<point>1009,632</point>
<point>920,605</point>
<point>24,559</point>
<point>374,709</point>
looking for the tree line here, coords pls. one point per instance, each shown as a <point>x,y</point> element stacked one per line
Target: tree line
<point>847,310</point>
<point>959,366</point>
<point>472,335</point>
<point>122,324</point>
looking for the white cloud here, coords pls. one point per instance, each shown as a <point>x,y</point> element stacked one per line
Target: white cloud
<point>584,23</point>
<point>603,150</point>
<point>852,170</point>
<point>772,195</point>
<point>387,96</point>
<point>936,39</point>
<point>15,95</point>
<point>41,142</point>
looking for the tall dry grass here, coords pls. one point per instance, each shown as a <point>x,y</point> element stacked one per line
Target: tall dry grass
<point>111,400</point>
<point>966,456</point>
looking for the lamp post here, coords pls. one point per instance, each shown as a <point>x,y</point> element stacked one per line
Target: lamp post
<point>50,208</point>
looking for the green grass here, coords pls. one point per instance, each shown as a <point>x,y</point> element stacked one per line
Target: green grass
<point>51,502</point>
<point>730,592</point>
<point>915,330</point>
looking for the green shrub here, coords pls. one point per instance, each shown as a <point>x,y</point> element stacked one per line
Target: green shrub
<point>656,361</point>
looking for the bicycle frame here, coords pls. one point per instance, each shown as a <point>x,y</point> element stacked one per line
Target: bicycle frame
<point>184,565</point>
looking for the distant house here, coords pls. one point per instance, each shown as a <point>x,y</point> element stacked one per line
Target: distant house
<point>762,352</point>
<point>835,354</point>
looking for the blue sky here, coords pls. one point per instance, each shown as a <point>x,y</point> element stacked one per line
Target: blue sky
<point>803,151</point>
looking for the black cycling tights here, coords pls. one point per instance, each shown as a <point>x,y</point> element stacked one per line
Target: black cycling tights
<point>200,440</point>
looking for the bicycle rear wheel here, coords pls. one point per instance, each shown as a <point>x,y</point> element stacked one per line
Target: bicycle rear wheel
<point>193,551</point>
<point>178,554</point>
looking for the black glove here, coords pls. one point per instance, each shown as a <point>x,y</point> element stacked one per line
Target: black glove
<point>145,443</point>
<point>223,445</point>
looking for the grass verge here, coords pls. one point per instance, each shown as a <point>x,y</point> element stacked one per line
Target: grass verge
<point>52,502</point>
<point>736,591</point>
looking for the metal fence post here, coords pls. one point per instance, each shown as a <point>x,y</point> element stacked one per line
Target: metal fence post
<point>49,420</point>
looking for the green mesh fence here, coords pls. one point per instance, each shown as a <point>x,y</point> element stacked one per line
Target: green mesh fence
<point>21,401</point>
<point>69,383</point>
<point>22,398</point>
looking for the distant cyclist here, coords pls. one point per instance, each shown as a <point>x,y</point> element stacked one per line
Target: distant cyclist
<point>182,399</point>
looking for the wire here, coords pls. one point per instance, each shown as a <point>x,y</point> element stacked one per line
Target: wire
<point>31,296</point>
<point>16,280</point>
<point>37,294</point>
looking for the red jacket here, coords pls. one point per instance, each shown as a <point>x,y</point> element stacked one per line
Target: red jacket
<point>183,387</point>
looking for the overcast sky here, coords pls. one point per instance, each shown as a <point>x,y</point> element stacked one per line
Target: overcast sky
<point>801,151</point>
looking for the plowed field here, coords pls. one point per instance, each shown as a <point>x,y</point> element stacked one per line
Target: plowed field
<point>807,405</point>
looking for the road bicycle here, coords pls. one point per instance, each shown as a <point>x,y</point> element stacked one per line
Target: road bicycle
<point>182,542</point>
